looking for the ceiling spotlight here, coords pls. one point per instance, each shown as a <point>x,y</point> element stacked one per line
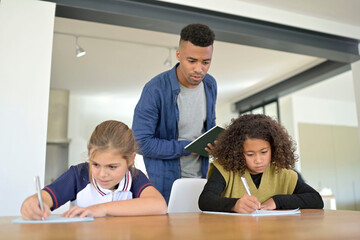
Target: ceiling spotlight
<point>168,62</point>
<point>79,51</point>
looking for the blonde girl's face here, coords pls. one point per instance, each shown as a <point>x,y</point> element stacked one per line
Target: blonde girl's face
<point>257,155</point>
<point>108,167</point>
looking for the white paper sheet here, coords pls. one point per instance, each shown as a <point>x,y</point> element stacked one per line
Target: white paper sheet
<point>260,213</point>
<point>55,218</point>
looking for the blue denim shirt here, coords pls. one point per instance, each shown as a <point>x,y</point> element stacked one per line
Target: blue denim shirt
<point>155,127</point>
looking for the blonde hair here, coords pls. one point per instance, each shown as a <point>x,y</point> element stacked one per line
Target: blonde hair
<point>113,135</point>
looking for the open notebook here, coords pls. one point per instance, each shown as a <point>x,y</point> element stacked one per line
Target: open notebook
<point>260,213</point>
<point>55,218</point>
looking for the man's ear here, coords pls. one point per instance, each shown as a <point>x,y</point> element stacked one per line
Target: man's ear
<point>178,54</point>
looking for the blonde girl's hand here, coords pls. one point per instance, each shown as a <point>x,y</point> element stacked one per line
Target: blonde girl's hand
<point>30,209</point>
<point>268,204</point>
<point>92,211</point>
<point>246,204</point>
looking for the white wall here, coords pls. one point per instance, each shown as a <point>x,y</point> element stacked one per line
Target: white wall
<point>331,155</point>
<point>355,67</point>
<point>315,105</point>
<point>224,114</point>
<point>25,64</point>
<point>324,111</point>
<point>86,112</point>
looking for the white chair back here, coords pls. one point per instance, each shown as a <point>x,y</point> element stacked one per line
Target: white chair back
<point>185,194</point>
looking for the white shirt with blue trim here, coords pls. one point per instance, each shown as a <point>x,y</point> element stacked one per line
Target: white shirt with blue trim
<point>74,186</point>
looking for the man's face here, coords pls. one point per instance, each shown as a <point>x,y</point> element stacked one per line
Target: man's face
<point>194,63</point>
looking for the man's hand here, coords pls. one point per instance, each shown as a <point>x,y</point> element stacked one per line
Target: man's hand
<point>210,147</point>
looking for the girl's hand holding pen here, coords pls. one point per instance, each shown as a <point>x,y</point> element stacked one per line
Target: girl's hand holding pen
<point>30,209</point>
<point>246,204</point>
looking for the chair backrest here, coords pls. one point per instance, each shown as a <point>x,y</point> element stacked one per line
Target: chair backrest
<point>185,194</point>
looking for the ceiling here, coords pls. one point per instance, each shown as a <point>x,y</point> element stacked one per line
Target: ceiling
<point>120,60</point>
<point>346,12</point>
<point>120,68</point>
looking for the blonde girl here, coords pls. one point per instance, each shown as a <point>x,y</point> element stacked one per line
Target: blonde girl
<point>108,185</point>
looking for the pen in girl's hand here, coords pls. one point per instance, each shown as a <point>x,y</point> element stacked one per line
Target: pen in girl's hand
<point>246,187</point>
<point>38,189</point>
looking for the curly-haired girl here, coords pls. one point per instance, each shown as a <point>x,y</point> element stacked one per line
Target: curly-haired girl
<point>258,148</point>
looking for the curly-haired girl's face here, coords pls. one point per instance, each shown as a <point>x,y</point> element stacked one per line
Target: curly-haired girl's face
<point>257,155</point>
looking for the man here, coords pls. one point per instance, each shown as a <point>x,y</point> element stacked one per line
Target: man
<point>175,108</point>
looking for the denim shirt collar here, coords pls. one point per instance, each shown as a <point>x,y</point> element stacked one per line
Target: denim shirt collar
<point>175,86</point>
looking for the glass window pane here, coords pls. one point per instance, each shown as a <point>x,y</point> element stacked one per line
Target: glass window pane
<point>258,110</point>
<point>271,110</point>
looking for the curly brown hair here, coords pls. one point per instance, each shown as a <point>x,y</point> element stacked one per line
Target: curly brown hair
<point>229,146</point>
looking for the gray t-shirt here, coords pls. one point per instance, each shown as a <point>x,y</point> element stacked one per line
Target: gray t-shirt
<point>192,115</point>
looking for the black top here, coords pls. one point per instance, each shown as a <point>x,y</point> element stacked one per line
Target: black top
<point>210,199</point>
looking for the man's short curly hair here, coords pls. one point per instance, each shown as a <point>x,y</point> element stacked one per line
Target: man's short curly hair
<point>198,34</point>
<point>229,147</point>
